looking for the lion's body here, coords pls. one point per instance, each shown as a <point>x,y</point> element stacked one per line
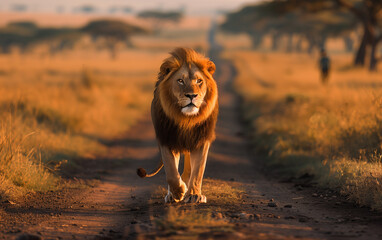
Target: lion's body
<point>184,113</point>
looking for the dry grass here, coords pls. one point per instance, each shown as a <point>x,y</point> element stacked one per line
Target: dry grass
<point>189,223</point>
<point>333,132</point>
<point>222,193</point>
<point>20,168</point>
<point>54,109</point>
<point>185,221</point>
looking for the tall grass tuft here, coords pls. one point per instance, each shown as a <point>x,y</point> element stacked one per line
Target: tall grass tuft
<point>21,169</point>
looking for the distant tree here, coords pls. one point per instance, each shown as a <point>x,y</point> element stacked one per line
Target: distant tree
<point>25,25</point>
<point>282,18</point>
<point>18,34</point>
<point>122,9</point>
<point>113,9</point>
<point>250,20</point>
<point>127,9</point>
<point>19,8</point>
<point>369,13</point>
<point>113,31</point>
<point>25,34</point>
<point>159,18</point>
<point>87,9</point>
<point>318,27</point>
<point>58,38</point>
<point>173,16</point>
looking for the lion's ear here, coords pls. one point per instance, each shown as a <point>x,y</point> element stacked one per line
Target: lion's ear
<point>165,68</point>
<point>211,67</point>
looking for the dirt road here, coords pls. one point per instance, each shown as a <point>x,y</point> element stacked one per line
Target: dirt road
<point>244,202</point>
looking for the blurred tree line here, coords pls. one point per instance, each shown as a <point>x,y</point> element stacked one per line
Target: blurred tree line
<point>313,21</point>
<point>25,35</point>
<point>173,16</point>
<point>160,18</point>
<point>113,31</point>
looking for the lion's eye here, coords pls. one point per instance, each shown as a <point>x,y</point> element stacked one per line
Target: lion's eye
<point>199,81</point>
<point>180,81</point>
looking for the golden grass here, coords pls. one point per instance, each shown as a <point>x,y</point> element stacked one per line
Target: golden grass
<point>20,168</point>
<point>191,221</point>
<point>221,192</point>
<point>333,132</point>
<point>56,108</point>
<point>185,221</point>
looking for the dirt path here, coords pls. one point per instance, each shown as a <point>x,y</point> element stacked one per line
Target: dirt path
<point>125,206</point>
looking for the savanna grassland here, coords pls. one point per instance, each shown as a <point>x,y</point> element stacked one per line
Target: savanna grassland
<point>331,132</point>
<point>58,108</point>
<point>55,108</point>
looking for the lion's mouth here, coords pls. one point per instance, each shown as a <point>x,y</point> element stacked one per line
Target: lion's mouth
<point>190,109</point>
<point>190,105</point>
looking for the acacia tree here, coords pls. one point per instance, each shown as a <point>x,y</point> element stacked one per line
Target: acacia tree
<point>16,34</point>
<point>113,31</point>
<point>158,18</point>
<point>26,34</point>
<point>173,16</point>
<point>255,20</point>
<point>288,18</point>
<point>369,13</point>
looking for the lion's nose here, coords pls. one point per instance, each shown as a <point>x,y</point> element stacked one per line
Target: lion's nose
<point>191,96</point>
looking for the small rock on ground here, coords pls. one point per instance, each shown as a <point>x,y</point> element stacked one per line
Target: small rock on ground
<point>272,204</point>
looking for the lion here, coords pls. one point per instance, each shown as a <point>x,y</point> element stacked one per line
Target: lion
<point>184,112</point>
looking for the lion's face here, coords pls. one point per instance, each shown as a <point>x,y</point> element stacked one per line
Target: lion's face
<point>186,90</point>
<point>189,88</point>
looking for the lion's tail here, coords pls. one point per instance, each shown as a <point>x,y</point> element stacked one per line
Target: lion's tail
<point>143,174</point>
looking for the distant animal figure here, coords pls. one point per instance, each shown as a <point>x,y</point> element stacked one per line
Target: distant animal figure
<point>184,113</point>
<point>324,66</point>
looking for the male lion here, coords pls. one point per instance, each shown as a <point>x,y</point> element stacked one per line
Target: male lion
<point>184,113</point>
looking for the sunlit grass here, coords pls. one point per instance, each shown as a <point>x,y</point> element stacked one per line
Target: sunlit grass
<point>66,105</point>
<point>190,222</point>
<point>333,132</point>
<point>221,192</point>
<point>21,169</point>
<point>187,221</point>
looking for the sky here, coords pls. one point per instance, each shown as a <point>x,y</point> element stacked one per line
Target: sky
<point>192,7</point>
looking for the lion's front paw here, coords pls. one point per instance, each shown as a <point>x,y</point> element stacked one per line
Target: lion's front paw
<point>195,198</point>
<point>176,194</point>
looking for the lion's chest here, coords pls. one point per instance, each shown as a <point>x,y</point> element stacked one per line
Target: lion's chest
<point>177,138</point>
